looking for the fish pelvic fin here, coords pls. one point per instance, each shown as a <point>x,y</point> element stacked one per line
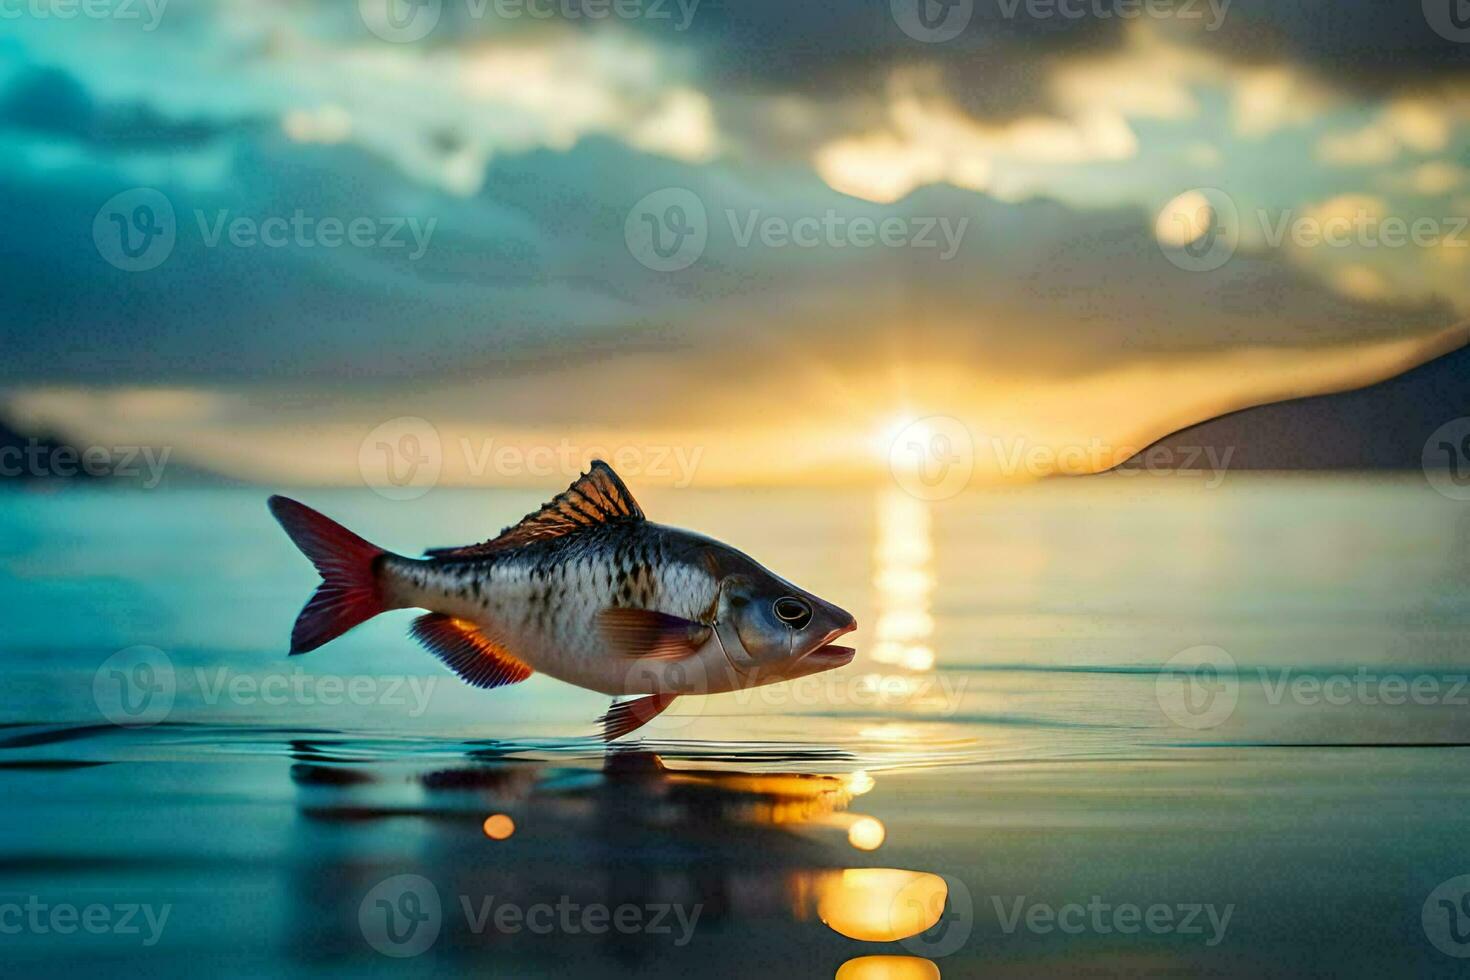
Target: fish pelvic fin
<point>350,592</point>
<point>598,496</point>
<point>465,649</point>
<point>624,717</point>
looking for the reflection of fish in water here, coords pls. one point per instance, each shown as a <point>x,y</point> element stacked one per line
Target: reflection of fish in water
<point>586,590</point>
<point>636,832</point>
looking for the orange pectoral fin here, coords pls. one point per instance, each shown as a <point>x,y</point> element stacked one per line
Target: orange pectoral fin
<point>645,633</point>
<point>629,716</point>
<point>467,651</point>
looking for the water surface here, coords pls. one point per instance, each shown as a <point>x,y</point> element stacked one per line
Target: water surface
<point>1089,695</point>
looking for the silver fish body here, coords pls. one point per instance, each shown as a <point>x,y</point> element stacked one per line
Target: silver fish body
<point>586,590</point>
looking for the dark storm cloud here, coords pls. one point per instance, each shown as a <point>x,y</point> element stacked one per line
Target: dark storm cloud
<point>823,45</point>
<point>996,67</point>
<point>1369,46</point>
<point>51,102</point>
<point>839,49</point>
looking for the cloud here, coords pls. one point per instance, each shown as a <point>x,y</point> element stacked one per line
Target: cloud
<point>1405,126</point>
<point>927,139</point>
<point>534,268</point>
<point>1047,145</point>
<point>1273,97</point>
<point>1433,179</point>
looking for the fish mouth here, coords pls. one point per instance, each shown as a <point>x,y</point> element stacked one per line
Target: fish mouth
<point>832,655</point>
<point>829,654</point>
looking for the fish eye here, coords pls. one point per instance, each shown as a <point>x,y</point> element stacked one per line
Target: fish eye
<point>792,611</point>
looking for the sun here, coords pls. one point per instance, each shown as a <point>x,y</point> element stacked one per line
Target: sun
<point>907,424</point>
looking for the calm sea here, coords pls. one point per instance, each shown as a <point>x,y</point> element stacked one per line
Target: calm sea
<point>1117,726</point>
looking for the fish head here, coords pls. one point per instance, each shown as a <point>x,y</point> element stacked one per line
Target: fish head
<point>765,622</point>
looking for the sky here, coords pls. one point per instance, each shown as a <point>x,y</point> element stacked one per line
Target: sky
<point>767,238</point>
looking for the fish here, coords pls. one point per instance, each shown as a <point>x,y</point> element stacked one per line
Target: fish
<point>586,590</point>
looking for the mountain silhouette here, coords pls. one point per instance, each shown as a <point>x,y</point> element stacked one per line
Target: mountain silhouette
<point>48,460</point>
<point>1381,427</point>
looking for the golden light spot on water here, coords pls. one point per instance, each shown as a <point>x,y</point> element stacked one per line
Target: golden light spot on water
<point>498,826</point>
<point>880,905</point>
<point>888,968</point>
<point>776,799</point>
<point>859,783</point>
<point>904,582</point>
<point>905,624</point>
<point>890,732</point>
<point>918,658</point>
<point>912,583</point>
<point>866,833</point>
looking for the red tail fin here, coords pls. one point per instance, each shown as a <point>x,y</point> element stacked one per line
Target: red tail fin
<point>349,592</point>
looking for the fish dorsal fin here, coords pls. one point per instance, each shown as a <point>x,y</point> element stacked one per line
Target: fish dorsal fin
<point>596,497</point>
